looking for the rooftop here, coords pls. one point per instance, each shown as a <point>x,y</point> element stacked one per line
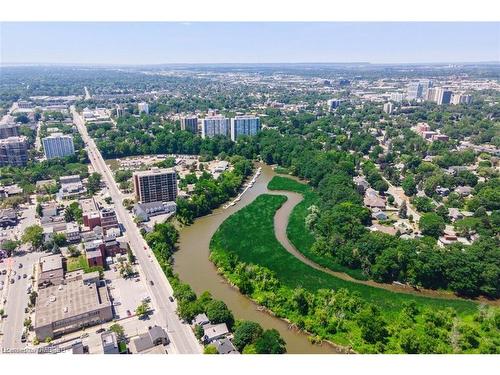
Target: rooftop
<point>154,171</point>
<point>51,262</point>
<point>68,300</point>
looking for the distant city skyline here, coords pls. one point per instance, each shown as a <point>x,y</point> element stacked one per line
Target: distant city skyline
<point>137,43</point>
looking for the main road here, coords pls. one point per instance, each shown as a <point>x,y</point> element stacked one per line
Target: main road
<point>181,335</point>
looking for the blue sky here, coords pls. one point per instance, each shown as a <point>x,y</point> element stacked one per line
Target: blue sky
<point>155,43</point>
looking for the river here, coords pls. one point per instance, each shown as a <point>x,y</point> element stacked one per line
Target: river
<point>194,267</point>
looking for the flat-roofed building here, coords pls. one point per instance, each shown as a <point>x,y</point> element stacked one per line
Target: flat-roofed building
<point>8,127</point>
<point>13,151</point>
<point>107,218</point>
<point>215,125</point>
<point>50,270</point>
<point>77,303</point>
<point>109,343</point>
<point>143,107</point>
<point>155,185</point>
<point>58,145</point>
<point>244,125</point>
<point>71,187</point>
<point>190,124</point>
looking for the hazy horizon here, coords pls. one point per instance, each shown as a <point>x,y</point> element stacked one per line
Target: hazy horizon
<point>212,43</point>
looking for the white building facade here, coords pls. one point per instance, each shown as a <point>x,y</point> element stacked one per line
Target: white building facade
<point>244,125</point>
<point>215,125</point>
<point>58,145</point>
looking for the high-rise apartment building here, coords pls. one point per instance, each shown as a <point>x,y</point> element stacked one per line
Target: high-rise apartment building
<point>58,145</point>
<point>8,127</point>
<point>244,125</point>
<point>13,151</point>
<point>120,111</point>
<point>190,124</point>
<point>143,107</point>
<point>418,90</point>
<point>396,97</point>
<point>215,125</point>
<point>414,91</point>
<point>432,94</point>
<point>461,99</point>
<point>443,96</point>
<point>333,104</point>
<point>388,107</point>
<point>155,185</point>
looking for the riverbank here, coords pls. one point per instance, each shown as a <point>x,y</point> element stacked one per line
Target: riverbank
<point>297,240</point>
<point>192,265</point>
<point>260,267</point>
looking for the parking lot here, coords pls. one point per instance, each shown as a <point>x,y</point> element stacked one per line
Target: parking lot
<point>127,294</point>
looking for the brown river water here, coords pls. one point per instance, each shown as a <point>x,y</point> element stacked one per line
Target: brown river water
<point>194,267</point>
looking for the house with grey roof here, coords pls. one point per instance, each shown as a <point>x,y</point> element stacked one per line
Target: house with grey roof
<point>213,332</point>
<point>225,346</point>
<point>153,341</point>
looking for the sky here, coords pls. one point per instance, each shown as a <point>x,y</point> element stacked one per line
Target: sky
<point>276,42</point>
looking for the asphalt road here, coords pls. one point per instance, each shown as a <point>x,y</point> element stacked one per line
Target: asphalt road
<point>180,334</point>
<point>15,294</point>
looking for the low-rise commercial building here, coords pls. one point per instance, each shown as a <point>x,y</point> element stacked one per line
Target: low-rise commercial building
<point>143,211</point>
<point>71,187</point>
<point>77,303</point>
<point>50,270</point>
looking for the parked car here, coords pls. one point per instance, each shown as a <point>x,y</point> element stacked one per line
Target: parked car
<point>25,276</point>
<point>12,281</point>
<point>100,330</point>
<point>20,265</point>
<point>129,313</point>
<point>171,299</point>
<point>151,282</point>
<point>23,338</point>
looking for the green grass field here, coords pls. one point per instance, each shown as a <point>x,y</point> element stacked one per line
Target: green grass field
<point>297,232</point>
<point>249,234</point>
<point>77,263</point>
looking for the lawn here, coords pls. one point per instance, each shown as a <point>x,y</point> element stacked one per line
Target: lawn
<point>77,263</point>
<point>297,232</point>
<point>80,263</point>
<point>249,234</point>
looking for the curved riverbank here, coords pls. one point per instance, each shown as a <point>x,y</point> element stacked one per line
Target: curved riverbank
<point>193,266</point>
<point>281,222</point>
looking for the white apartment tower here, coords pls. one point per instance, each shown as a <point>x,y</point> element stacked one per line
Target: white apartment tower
<point>215,125</point>
<point>143,107</point>
<point>244,125</point>
<point>190,124</point>
<point>388,107</point>
<point>58,145</point>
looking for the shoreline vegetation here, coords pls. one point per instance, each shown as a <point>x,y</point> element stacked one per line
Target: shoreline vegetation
<point>303,241</point>
<point>367,319</point>
<point>163,241</point>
